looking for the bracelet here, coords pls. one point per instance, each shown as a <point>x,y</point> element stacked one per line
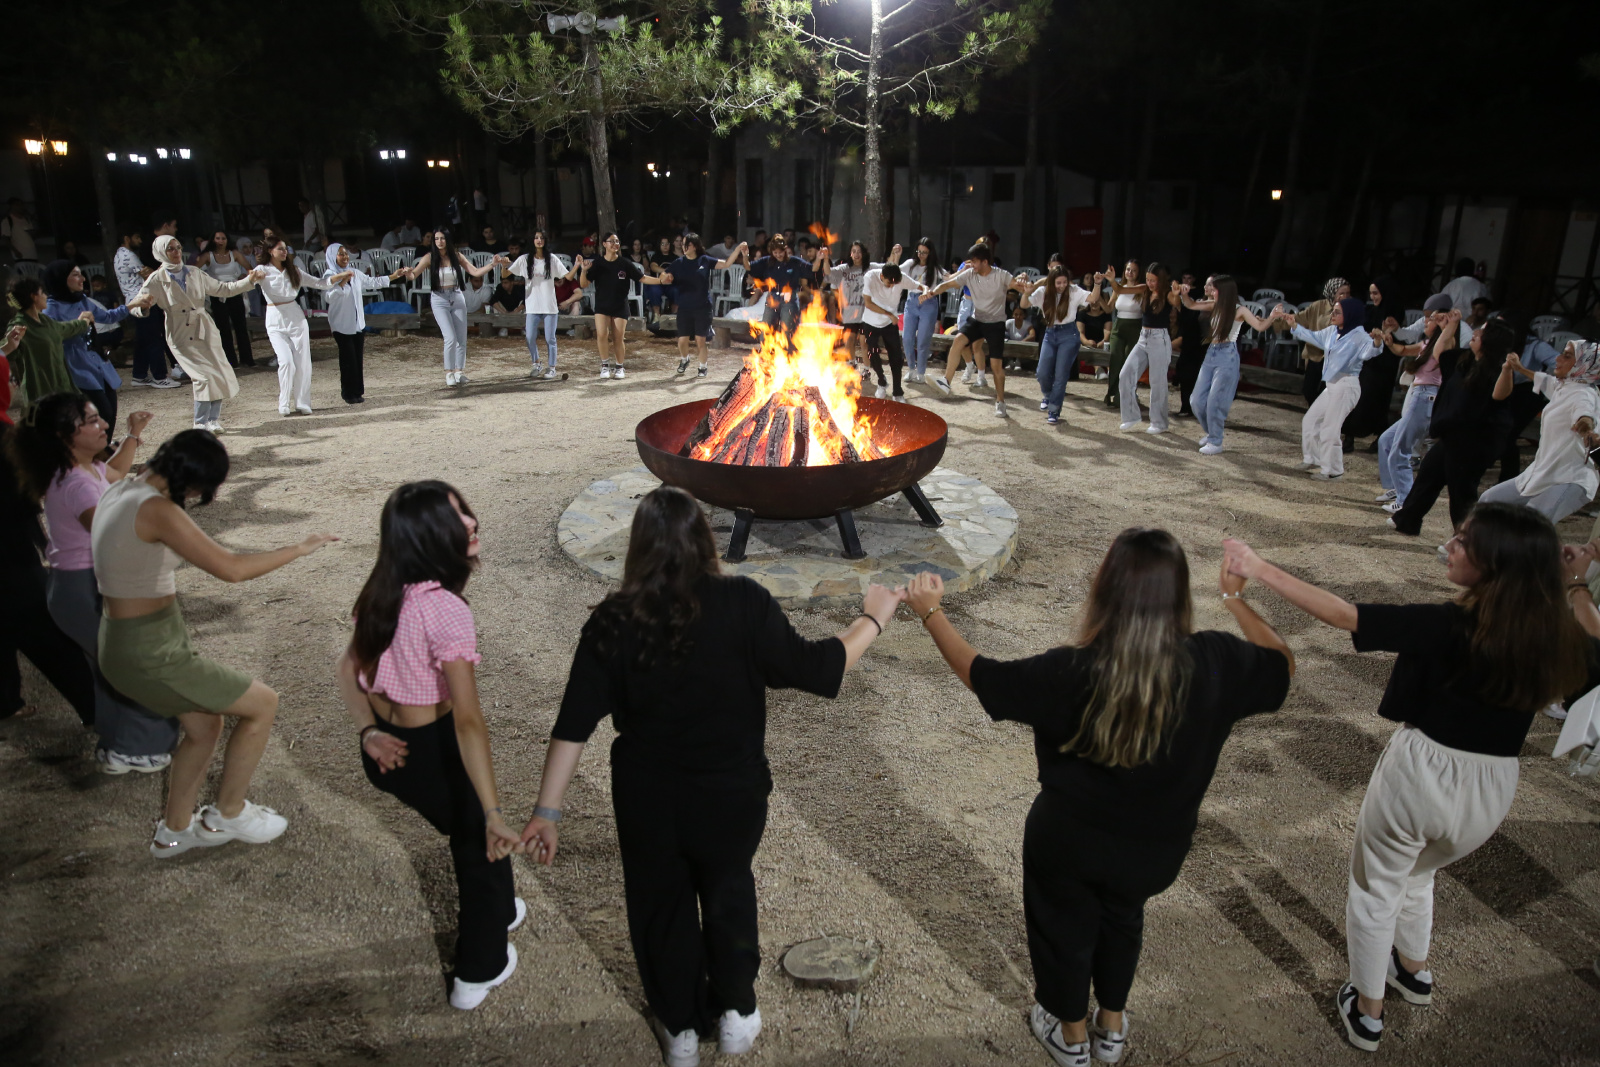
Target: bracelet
<point>929,615</point>
<point>874,622</point>
<point>1578,585</point>
<point>1234,596</point>
<point>547,814</point>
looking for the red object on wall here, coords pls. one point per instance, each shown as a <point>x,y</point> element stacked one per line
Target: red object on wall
<point>1080,245</point>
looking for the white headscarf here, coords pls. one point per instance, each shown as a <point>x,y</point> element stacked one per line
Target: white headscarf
<point>1586,369</point>
<point>331,254</point>
<point>178,270</point>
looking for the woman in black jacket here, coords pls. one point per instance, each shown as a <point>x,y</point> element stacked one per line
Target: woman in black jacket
<point>1469,426</point>
<point>681,658</point>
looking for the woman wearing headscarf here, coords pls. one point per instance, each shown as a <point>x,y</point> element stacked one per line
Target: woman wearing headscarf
<point>348,319</point>
<point>91,372</point>
<point>181,291</point>
<point>1345,345</point>
<point>1378,374</point>
<point>1562,478</point>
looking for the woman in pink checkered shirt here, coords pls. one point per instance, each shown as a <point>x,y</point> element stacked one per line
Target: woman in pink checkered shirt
<point>409,681</point>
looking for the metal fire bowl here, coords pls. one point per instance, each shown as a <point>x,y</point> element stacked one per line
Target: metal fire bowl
<point>918,437</point>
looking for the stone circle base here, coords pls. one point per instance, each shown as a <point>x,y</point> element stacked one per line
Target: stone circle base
<point>802,563</point>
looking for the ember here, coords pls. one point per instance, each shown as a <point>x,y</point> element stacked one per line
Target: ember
<point>793,404</point>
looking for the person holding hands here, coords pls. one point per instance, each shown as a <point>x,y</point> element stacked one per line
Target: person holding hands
<point>1346,345</point>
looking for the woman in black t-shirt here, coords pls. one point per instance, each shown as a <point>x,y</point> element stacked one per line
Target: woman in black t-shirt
<point>1470,675</point>
<point>612,274</point>
<point>1127,727</point>
<point>681,658</point>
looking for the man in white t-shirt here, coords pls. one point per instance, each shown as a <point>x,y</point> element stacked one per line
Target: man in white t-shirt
<point>880,295</point>
<point>1464,288</point>
<point>988,285</point>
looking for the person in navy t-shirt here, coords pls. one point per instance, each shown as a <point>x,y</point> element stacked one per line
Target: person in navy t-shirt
<point>690,275</point>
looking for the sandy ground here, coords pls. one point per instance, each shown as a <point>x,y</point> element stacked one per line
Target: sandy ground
<point>898,811</point>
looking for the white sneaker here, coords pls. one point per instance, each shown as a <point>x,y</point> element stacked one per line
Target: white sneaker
<point>966,374</point>
<point>1393,507</point>
<point>1000,410</point>
<point>551,375</point>
<point>1126,426</point>
<point>254,825</point>
<point>1324,476</point>
<point>468,995</point>
<point>522,913</point>
<point>202,425</point>
<point>116,763</point>
<point>1387,494</point>
<point>168,842</point>
<point>146,380</point>
<point>304,409</point>
<point>605,370</point>
<point>163,383</point>
<point>286,412</point>
<point>1210,450</point>
<point>1155,429</point>
<point>449,377</point>
<point>620,372</point>
<point>215,425</point>
<point>882,393</point>
<point>1307,465</point>
<point>1047,1028</point>
<point>177,374</point>
<point>683,365</point>
<point>942,384</point>
<point>1106,1046</point>
<point>1044,405</point>
<point>678,1050</point>
<point>537,371</point>
<point>981,383</point>
<point>736,1033</point>
<point>1556,712</point>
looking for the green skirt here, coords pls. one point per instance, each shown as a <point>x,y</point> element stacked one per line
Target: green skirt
<point>150,660</point>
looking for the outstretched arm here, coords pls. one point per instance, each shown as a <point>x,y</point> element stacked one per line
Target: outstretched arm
<point>1240,559</point>
<point>923,595</point>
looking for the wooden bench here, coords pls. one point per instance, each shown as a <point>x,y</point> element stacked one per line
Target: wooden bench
<point>1277,381</point>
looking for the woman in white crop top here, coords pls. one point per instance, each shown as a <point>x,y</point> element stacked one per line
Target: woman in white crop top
<point>920,320</point>
<point>448,271</point>
<point>140,533</point>
<point>286,324</point>
<point>1214,389</point>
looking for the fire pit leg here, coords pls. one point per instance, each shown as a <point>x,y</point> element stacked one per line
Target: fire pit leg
<point>847,533</point>
<point>742,520</point>
<point>922,505</point>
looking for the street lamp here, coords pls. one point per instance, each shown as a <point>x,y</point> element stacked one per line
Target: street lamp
<point>1277,194</point>
<point>44,148</point>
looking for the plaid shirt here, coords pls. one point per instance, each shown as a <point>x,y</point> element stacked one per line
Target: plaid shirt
<point>435,628</point>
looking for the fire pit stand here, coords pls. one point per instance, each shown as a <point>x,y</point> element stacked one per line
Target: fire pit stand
<point>744,519</point>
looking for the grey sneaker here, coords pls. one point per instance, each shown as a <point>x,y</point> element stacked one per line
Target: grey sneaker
<point>116,763</point>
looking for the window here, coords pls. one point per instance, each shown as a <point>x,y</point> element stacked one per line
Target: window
<point>755,194</point>
<point>805,193</point>
<point>1002,188</point>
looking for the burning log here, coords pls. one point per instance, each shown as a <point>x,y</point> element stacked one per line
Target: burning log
<point>733,400</point>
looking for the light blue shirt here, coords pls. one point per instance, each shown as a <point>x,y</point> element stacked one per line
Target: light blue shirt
<point>1343,356</point>
<point>89,370</point>
<point>1537,355</point>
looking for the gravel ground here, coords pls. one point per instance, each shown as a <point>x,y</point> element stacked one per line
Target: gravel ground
<point>898,811</point>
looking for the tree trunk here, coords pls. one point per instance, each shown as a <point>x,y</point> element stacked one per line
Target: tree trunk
<point>599,151</point>
<point>827,173</point>
<point>1280,240</point>
<point>914,181</point>
<point>1141,180</point>
<point>1237,244</point>
<point>541,183</point>
<point>109,236</point>
<point>495,208</point>
<point>1030,171</point>
<point>316,191</point>
<point>874,160</point>
<point>708,200</point>
<point>1355,212</point>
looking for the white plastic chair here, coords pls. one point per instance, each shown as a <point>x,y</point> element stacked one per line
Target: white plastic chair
<point>1543,326</point>
<point>478,259</point>
<point>421,291</point>
<point>94,270</point>
<point>636,300</point>
<point>1412,315</point>
<point>1267,296</point>
<point>731,294</point>
<point>1558,339</point>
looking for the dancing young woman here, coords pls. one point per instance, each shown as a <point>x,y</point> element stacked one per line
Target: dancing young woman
<point>612,276</point>
<point>448,271</point>
<point>1562,478</point>
<point>1059,301</point>
<point>919,321</point>
<point>848,280</point>
<point>690,276</point>
<point>409,680</point>
<point>287,330</point>
<point>1218,380</point>
<point>39,361</point>
<point>1128,724</point>
<point>347,318</point>
<point>1371,414</point>
<point>140,534</point>
<point>91,372</point>
<point>681,658</point>
<point>1345,345</point>
<point>1469,678</point>
<point>541,270</point>
<point>56,452</point>
<point>1158,317</point>
<point>1397,444</point>
<point>228,311</point>
<point>1126,323</point>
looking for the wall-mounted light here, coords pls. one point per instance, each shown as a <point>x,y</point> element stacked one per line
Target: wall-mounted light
<point>183,153</point>
<point>161,153</point>
<point>399,153</point>
<point>33,148</point>
<point>445,163</point>
<point>58,147</point>
<point>144,161</point>
<point>1277,194</point>
<point>111,157</point>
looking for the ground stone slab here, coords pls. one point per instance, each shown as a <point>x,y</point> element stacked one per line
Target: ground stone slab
<point>801,563</point>
<point>839,963</point>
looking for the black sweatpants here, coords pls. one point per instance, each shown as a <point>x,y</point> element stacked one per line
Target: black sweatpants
<point>878,339</point>
<point>1190,360</point>
<point>1085,918</point>
<point>434,782</point>
<point>1525,404</point>
<point>26,627</point>
<point>352,377</point>
<point>686,849</point>
<point>1451,465</point>
<point>229,317</point>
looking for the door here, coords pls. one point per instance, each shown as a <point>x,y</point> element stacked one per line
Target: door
<point>1080,245</point>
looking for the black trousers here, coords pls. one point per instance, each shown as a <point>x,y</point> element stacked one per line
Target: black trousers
<point>1453,465</point>
<point>1371,414</point>
<point>1086,920</point>
<point>150,345</point>
<point>878,339</point>
<point>105,402</point>
<point>26,627</point>
<point>352,377</point>
<point>434,782</point>
<point>1190,360</point>
<point>686,853</point>
<point>1525,404</point>
<point>229,317</point>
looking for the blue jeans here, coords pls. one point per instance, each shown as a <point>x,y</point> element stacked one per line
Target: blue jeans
<point>535,322</point>
<point>1057,353</point>
<point>917,332</point>
<point>1214,390</point>
<point>1396,444</point>
<point>964,312</point>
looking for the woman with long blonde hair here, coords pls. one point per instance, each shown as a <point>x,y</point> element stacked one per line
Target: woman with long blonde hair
<point>1128,723</point>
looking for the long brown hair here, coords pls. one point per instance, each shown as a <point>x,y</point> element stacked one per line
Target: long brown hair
<point>1163,289</point>
<point>1530,649</point>
<point>1048,305</point>
<point>290,267</point>
<point>670,548</point>
<point>1134,627</point>
<point>1226,309</point>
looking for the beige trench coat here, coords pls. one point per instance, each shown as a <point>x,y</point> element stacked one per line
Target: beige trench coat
<point>191,333</point>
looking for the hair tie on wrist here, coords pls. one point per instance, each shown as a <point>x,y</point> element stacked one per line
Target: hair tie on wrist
<point>874,622</point>
<point>361,738</point>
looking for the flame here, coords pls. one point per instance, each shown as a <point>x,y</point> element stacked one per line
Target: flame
<point>823,234</point>
<point>787,365</point>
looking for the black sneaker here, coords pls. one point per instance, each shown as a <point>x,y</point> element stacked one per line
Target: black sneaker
<point>1416,988</point>
<point>701,373</point>
<point>1364,1033</point>
<point>683,365</point>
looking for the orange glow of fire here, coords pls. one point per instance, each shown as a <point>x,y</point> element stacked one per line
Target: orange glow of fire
<point>823,234</point>
<point>786,365</point>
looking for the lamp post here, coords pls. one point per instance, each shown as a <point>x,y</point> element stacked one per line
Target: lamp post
<point>44,148</point>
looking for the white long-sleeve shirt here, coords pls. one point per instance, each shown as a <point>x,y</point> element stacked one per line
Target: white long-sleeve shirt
<point>278,289</point>
<point>346,313</point>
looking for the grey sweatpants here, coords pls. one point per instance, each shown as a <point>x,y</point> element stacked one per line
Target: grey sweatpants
<point>1555,503</point>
